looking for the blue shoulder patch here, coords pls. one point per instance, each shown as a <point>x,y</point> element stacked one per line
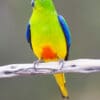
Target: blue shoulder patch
<point>28,36</point>
<point>65,29</point>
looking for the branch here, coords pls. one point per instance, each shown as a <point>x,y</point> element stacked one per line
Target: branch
<point>72,66</point>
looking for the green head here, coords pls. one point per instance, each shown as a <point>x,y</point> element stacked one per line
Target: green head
<point>47,4</point>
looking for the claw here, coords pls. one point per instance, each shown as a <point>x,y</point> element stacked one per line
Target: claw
<point>61,63</point>
<point>36,63</point>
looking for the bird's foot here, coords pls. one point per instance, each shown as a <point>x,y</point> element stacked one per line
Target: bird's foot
<point>36,63</point>
<point>61,63</point>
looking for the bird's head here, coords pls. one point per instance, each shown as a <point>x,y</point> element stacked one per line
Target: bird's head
<point>41,3</point>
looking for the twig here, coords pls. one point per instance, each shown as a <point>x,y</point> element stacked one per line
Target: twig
<point>72,66</point>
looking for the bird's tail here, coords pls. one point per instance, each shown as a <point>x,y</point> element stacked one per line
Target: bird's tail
<point>60,79</point>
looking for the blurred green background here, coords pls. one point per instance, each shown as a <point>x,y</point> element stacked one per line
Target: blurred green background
<point>83,17</point>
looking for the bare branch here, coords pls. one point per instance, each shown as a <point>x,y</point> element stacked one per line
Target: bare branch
<point>72,66</point>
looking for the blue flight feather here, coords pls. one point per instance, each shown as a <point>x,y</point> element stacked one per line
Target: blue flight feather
<point>65,29</point>
<point>28,33</point>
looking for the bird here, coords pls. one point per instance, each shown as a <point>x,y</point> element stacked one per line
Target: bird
<point>49,37</point>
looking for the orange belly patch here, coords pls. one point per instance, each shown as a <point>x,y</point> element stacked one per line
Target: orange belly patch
<point>48,53</point>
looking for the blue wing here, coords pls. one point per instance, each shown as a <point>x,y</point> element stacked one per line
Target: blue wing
<point>28,36</point>
<point>65,29</point>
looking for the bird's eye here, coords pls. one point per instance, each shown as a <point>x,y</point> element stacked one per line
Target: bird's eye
<point>32,3</point>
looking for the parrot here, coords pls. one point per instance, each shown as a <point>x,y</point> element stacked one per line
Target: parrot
<point>49,37</point>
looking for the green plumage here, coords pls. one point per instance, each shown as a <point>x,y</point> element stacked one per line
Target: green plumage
<point>46,30</point>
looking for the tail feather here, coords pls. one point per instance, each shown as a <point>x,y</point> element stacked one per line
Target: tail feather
<point>60,79</point>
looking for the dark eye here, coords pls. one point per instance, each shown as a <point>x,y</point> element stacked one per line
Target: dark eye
<point>32,3</point>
